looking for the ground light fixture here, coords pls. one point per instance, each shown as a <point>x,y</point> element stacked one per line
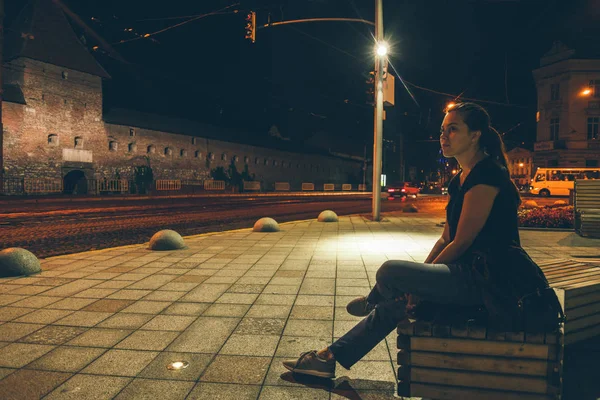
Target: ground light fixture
<point>178,365</point>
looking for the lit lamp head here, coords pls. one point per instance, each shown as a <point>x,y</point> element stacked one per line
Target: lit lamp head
<point>450,106</point>
<point>586,92</point>
<point>381,49</point>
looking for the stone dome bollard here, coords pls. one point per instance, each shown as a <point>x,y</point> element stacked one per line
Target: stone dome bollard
<point>15,261</point>
<point>327,216</point>
<point>530,204</point>
<point>166,240</point>
<point>410,208</point>
<point>266,224</point>
<point>560,203</point>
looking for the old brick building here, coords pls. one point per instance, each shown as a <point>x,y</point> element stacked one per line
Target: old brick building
<point>55,127</point>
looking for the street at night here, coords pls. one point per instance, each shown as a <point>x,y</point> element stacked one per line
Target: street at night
<point>57,227</point>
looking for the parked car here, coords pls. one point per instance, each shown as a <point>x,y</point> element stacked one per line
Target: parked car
<point>403,189</point>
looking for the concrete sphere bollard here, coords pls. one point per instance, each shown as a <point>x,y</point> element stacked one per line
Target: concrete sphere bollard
<point>410,208</point>
<point>166,240</point>
<point>266,224</point>
<point>327,216</point>
<point>15,261</point>
<point>530,204</point>
<point>560,203</point>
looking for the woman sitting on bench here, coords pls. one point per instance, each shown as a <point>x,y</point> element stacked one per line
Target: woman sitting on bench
<point>477,262</point>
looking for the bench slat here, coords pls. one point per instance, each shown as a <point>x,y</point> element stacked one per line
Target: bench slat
<point>479,363</point>
<point>483,347</point>
<point>479,380</point>
<point>458,393</point>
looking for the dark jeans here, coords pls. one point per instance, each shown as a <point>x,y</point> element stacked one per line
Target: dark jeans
<point>438,283</point>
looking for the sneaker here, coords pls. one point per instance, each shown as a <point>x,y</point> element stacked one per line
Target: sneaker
<point>310,363</point>
<point>360,307</point>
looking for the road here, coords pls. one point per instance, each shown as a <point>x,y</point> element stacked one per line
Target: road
<point>67,225</point>
<point>61,227</point>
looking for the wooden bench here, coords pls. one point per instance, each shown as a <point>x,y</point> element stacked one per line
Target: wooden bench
<point>472,362</point>
<point>586,208</point>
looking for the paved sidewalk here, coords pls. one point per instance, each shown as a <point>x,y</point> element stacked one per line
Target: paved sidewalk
<point>105,324</point>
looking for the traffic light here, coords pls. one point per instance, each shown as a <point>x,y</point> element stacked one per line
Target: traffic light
<point>370,88</point>
<point>251,26</point>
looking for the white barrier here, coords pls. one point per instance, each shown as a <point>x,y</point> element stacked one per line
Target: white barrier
<point>346,186</point>
<point>281,186</point>
<point>214,185</point>
<point>43,185</point>
<point>252,185</point>
<point>119,185</point>
<point>165,184</point>
<point>308,186</point>
<point>329,186</point>
<point>362,187</point>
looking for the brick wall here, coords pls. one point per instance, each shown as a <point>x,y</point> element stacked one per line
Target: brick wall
<point>68,104</point>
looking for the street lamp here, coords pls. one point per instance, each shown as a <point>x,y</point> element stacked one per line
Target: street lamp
<point>586,92</point>
<point>381,50</point>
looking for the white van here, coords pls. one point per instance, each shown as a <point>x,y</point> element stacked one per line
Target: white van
<point>557,181</point>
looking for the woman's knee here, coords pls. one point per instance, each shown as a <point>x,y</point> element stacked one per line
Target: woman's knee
<point>391,269</point>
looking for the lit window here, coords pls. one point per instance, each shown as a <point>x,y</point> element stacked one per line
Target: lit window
<point>78,142</point>
<point>131,147</point>
<point>592,127</point>
<point>53,139</point>
<point>113,145</point>
<point>182,153</point>
<point>131,132</point>
<point>151,149</point>
<point>168,151</point>
<point>197,154</point>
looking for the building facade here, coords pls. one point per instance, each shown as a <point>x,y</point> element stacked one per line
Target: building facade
<point>568,116</point>
<point>520,165</point>
<point>55,127</point>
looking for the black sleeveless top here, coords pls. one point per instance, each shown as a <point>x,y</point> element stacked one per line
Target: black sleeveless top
<point>500,231</point>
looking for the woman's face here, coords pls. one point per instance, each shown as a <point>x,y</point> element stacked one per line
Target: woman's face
<point>455,137</point>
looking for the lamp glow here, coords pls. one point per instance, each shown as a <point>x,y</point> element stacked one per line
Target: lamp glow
<point>382,49</point>
<point>177,365</point>
<point>586,92</point>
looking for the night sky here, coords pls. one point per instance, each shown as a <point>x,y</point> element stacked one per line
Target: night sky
<point>309,79</point>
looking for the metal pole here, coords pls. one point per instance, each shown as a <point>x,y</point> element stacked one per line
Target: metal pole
<point>378,128</point>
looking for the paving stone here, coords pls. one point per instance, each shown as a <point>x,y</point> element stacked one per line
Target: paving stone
<point>269,311</point>
<point>129,294</point>
<point>36,301</point>
<point>147,307</point>
<point>275,299</point>
<point>9,313</point>
<point>221,391</point>
<point>178,308</point>
<point>292,346</point>
<point>245,288</point>
<point>30,289</point>
<point>292,393</point>
<point>370,375</point>
<point>17,355</point>
<point>95,293</point>
<point>53,335</point>
<point>298,327</point>
<point>125,321</point>
<point>71,304</point>
<point>206,335</point>
<point>250,345</point>
<point>206,293</point>
<point>12,331</point>
<point>83,318</point>
<point>98,337</point>
<point>164,295</point>
<point>108,305</point>
<point>260,326</point>
<point>157,369</point>
<point>280,376</point>
<point>66,359</point>
<point>281,289</point>
<point>169,323</point>
<point>237,369</point>
<point>226,310</point>
<point>30,384</point>
<point>312,313</point>
<point>147,340</point>
<point>89,387</point>
<point>314,300</point>
<point>141,388</point>
<point>121,362</point>
<point>237,298</point>
<point>44,316</point>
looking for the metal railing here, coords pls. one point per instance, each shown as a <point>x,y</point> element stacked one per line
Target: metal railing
<point>166,184</point>
<point>42,185</point>
<point>308,186</point>
<point>328,187</point>
<point>282,186</point>
<point>346,187</point>
<point>251,185</point>
<point>214,185</point>
<point>114,186</point>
